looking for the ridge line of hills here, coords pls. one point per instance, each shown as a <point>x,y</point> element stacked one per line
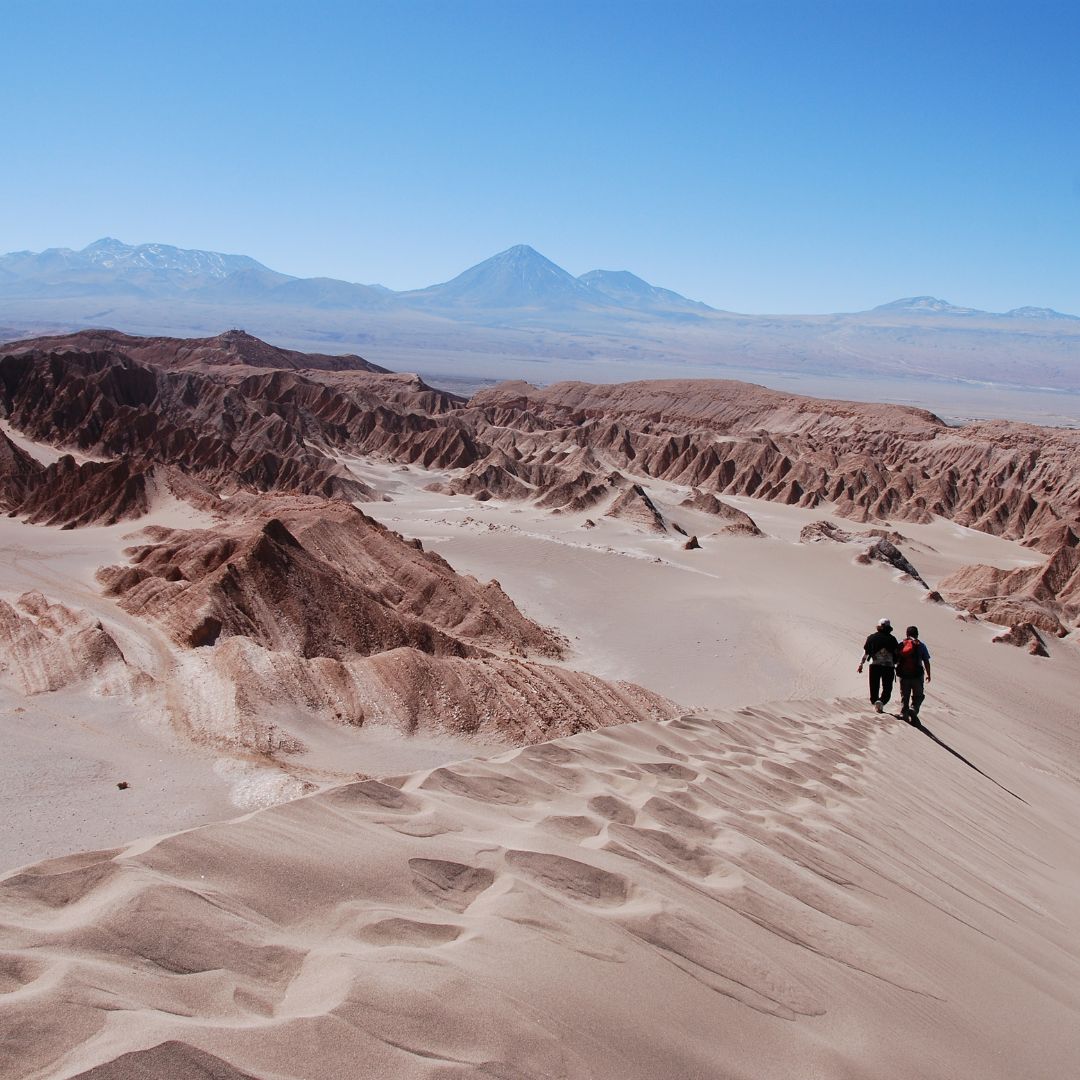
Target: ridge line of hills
<point>221,416</point>
<point>518,276</point>
<point>519,315</point>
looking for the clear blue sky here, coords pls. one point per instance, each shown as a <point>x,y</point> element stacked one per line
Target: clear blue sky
<point>761,156</point>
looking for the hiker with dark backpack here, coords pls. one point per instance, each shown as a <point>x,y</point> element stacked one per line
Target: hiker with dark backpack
<point>911,662</point>
<point>881,648</point>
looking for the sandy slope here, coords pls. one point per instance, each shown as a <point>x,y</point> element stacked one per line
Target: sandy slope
<point>742,620</point>
<point>739,621</point>
<point>768,888</point>
<point>66,751</point>
<point>796,890</point>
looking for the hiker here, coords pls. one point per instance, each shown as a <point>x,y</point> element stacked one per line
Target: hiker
<point>911,662</point>
<point>881,648</point>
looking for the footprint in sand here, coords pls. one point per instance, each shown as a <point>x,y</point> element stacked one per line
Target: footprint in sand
<point>374,794</point>
<point>409,932</point>
<point>574,827</point>
<point>18,971</point>
<point>577,880</point>
<point>552,753</point>
<point>452,885</point>
<point>662,850</point>
<point>607,806</point>
<point>487,787</point>
<point>172,1058</point>
<point>64,880</point>
<point>675,817</point>
<point>667,751</point>
<point>669,770</point>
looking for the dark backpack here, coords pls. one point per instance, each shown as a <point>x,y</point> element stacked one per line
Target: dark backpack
<point>909,662</point>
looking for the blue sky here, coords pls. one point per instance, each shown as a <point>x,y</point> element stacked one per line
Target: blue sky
<point>761,156</point>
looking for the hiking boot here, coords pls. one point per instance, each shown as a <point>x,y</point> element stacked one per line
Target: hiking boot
<point>878,706</point>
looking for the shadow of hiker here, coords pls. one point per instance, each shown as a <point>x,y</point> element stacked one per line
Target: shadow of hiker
<point>918,726</point>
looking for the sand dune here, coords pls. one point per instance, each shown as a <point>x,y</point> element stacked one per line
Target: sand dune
<point>769,892</point>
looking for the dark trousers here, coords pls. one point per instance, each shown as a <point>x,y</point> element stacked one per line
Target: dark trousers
<point>911,694</point>
<point>881,680</point>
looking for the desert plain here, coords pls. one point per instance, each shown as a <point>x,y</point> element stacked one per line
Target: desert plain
<point>353,729</point>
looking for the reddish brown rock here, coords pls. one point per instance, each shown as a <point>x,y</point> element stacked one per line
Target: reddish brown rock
<point>881,550</point>
<point>872,462</point>
<point>231,410</point>
<point>232,348</point>
<point>315,579</point>
<point>635,506</point>
<point>47,646</point>
<point>1046,596</point>
<point>738,523</point>
<point>1025,636</point>
<point>818,531</point>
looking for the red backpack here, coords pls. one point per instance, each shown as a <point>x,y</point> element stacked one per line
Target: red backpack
<point>909,662</point>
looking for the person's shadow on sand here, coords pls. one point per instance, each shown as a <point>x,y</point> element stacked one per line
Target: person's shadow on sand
<point>919,726</point>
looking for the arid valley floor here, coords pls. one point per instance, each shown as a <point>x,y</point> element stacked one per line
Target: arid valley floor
<point>354,729</point>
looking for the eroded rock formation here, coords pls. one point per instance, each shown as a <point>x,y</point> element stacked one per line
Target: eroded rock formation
<point>737,522</point>
<point>873,462</point>
<point>635,506</point>
<point>1024,636</point>
<point>315,578</point>
<point>877,546</point>
<point>46,646</point>
<point>1047,596</point>
<point>566,447</point>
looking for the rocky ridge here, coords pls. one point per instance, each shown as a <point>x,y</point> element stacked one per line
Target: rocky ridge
<point>292,608</point>
<point>229,349</point>
<point>315,579</point>
<point>47,646</point>
<point>1046,596</point>
<point>157,412</point>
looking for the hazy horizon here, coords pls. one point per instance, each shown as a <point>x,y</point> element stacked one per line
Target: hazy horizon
<point>760,158</point>
<point>158,243</point>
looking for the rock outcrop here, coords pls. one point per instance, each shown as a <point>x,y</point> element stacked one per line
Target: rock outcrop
<point>47,646</point>
<point>635,506</point>
<point>273,697</point>
<point>1024,636</point>
<point>882,550</point>
<point>1047,596</point>
<point>876,546</point>
<point>315,579</point>
<point>873,462</point>
<point>737,522</point>
<point>234,411</point>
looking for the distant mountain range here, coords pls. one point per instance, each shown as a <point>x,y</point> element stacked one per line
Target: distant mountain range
<point>931,305</point>
<point>519,314</point>
<point>519,278</point>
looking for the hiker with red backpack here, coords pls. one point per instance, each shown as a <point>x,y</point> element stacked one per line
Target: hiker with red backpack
<point>881,648</point>
<point>912,661</point>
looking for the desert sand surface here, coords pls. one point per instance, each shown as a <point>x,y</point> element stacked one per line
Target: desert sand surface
<point>796,889</point>
<point>67,749</point>
<point>573,778</point>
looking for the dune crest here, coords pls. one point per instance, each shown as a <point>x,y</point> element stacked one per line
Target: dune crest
<point>747,870</point>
